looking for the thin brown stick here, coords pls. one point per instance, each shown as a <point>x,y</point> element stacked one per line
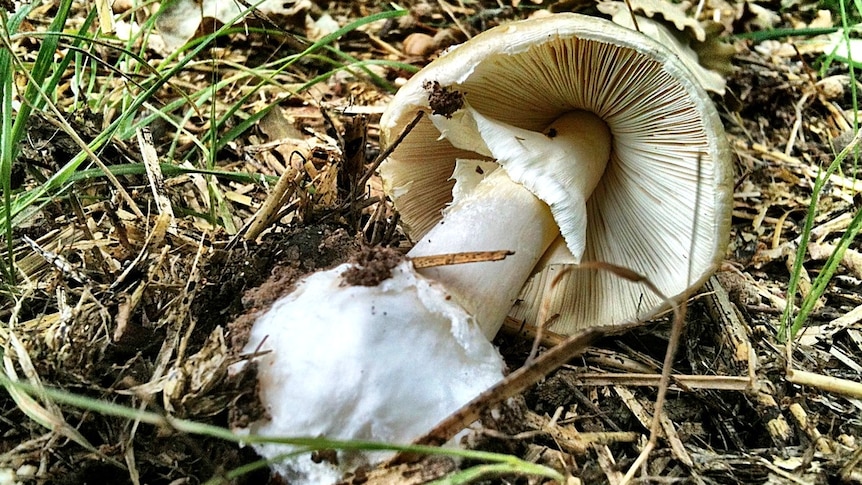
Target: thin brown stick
<point>432,261</point>
<point>511,385</point>
<point>526,376</point>
<point>544,320</point>
<point>268,211</point>
<point>387,151</point>
<point>514,384</point>
<point>632,14</point>
<point>686,382</point>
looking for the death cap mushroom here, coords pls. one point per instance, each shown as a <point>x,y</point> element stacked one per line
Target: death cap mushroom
<point>661,206</point>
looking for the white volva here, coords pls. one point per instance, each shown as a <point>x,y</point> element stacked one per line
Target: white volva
<point>381,363</point>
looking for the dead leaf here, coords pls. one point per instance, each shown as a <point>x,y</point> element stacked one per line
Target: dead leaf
<point>676,41</point>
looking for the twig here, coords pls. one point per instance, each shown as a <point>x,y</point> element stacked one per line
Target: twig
<point>511,385</point>
<point>386,152</point>
<point>836,385</point>
<point>284,188</point>
<point>154,174</point>
<point>801,417</point>
<point>459,258</point>
<point>686,382</point>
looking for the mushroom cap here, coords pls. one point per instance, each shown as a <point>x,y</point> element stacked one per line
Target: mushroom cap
<point>662,206</point>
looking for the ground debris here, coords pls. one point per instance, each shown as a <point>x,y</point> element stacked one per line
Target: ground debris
<point>141,308</point>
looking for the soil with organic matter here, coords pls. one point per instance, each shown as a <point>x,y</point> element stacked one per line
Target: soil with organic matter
<point>127,300</point>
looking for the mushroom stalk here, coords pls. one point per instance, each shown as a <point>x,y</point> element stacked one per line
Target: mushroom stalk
<point>499,213</point>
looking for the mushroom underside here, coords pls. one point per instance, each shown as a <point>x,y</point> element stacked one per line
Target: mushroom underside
<point>661,205</point>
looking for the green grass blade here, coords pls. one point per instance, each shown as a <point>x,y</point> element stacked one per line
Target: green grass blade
<point>361,64</point>
<point>7,157</point>
<point>32,99</point>
<point>320,44</point>
<point>761,35</point>
<point>799,259</point>
<point>805,238</point>
<point>58,179</point>
<point>845,28</point>
<point>171,170</point>
<point>511,464</point>
<point>818,288</point>
<point>8,143</point>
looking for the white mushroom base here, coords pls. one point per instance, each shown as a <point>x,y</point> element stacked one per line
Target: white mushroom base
<point>383,363</point>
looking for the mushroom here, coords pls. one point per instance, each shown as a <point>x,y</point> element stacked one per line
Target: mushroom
<point>604,129</point>
<point>565,139</point>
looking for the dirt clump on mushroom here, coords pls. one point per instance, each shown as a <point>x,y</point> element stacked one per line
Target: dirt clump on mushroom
<point>247,407</point>
<point>371,266</point>
<point>274,265</point>
<point>443,100</point>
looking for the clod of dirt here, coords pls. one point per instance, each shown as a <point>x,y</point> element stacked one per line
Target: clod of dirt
<point>247,407</point>
<point>443,100</point>
<point>250,279</point>
<point>372,265</point>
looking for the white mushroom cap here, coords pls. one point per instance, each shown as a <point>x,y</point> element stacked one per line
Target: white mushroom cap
<point>662,205</point>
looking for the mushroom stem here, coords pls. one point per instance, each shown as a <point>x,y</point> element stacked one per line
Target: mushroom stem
<point>499,213</point>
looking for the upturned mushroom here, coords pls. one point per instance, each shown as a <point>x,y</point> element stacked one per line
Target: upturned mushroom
<point>603,129</point>
<point>563,139</point>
